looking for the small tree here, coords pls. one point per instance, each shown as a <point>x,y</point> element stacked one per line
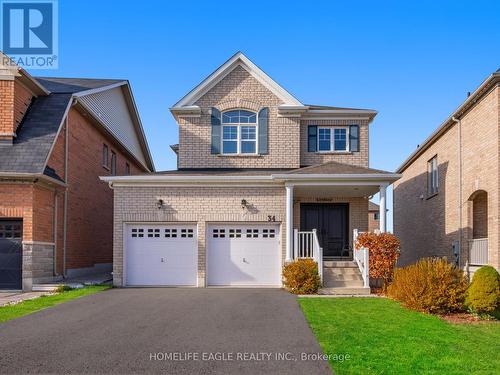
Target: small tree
<point>383,250</point>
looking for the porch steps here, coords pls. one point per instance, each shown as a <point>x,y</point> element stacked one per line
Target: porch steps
<point>342,278</point>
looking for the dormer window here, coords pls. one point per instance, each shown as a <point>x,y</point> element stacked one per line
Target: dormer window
<point>239,132</point>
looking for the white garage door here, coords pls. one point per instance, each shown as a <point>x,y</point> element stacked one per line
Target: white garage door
<point>161,255</point>
<point>243,254</point>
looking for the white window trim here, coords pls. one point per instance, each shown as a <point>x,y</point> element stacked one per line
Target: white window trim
<point>238,133</point>
<point>332,140</point>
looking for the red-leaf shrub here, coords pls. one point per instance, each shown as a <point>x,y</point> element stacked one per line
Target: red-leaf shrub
<point>383,250</point>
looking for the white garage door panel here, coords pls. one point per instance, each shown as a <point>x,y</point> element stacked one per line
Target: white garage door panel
<point>161,255</point>
<point>242,255</point>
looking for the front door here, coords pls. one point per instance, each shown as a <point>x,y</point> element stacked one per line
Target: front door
<point>11,234</point>
<point>331,223</point>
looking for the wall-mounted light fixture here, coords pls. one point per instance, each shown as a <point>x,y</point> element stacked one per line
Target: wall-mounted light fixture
<point>244,204</point>
<point>160,204</point>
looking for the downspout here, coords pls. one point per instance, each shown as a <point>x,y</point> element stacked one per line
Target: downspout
<point>459,167</point>
<point>65,213</point>
<point>55,233</point>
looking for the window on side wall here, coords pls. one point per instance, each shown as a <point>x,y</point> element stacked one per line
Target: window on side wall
<point>376,216</point>
<point>113,163</point>
<point>127,169</point>
<point>432,176</point>
<point>333,139</point>
<point>105,155</point>
<point>239,132</point>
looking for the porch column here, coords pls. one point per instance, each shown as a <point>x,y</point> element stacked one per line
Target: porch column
<point>289,222</point>
<point>382,209</point>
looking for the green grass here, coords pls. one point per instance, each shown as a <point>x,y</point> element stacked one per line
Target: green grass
<point>30,306</point>
<point>381,337</point>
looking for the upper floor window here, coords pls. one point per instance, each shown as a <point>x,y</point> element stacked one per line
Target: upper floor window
<point>239,132</point>
<point>127,169</point>
<point>113,163</point>
<point>333,139</point>
<point>105,156</point>
<point>432,176</point>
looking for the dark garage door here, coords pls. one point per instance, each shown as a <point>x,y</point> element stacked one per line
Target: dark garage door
<point>11,233</point>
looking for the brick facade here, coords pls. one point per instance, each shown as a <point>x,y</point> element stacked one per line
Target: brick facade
<point>40,204</point>
<point>6,110</point>
<point>355,158</point>
<point>428,225</point>
<point>204,205</point>
<point>287,137</point>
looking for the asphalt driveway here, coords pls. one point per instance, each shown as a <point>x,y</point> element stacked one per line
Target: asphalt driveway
<point>165,330</point>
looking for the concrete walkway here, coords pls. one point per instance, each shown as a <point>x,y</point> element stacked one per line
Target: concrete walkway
<point>7,298</point>
<point>165,330</point>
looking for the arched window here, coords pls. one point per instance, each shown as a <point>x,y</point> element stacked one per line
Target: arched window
<point>239,132</point>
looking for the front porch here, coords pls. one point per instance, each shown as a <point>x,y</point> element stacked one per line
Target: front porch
<point>323,219</point>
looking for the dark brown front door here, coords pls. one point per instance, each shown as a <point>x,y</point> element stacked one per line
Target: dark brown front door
<point>11,233</point>
<point>331,222</point>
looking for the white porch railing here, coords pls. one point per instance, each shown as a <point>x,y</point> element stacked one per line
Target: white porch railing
<point>478,251</point>
<point>361,257</point>
<point>306,245</point>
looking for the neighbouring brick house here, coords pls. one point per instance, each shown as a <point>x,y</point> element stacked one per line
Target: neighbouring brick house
<point>373,217</point>
<point>57,136</point>
<point>447,202</point>
<point>262,179</point>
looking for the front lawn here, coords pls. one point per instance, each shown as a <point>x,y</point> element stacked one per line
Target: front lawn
<point>30,306</point>
<point>381,337</point>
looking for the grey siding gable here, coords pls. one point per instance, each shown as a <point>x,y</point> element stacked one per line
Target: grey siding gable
<point>111,108</point>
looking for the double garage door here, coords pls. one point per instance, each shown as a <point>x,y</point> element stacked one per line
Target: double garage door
<point>237,255</point>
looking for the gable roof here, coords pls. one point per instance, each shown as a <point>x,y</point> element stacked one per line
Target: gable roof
<point>40,126</point>
<point>373,206</point>
<point>75,85</point>
<point>238,59</point>
<point>490,82</point>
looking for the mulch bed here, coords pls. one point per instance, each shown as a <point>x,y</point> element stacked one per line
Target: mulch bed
<point>465,318</point>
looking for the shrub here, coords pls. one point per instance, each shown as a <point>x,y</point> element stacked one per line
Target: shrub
<point>431,285</point>
<point>483,295</point>
<point>302,277</point>
<point>63,288</point>
<point>383,249</point>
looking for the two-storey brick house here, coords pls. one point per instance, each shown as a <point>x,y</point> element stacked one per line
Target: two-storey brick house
<point>57,136</point>
<point>254,163</point>
<point>447,202</point>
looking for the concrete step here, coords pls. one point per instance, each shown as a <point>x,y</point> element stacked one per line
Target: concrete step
<point>342,277</point>
<point>343,283</point>
<point>345,291</point>
<point>341,271</point>
<point>339,264</point>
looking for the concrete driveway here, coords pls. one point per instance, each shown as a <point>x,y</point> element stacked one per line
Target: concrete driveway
<point>164,330</point>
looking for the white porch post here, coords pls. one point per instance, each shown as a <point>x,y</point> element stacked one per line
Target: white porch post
<point>289,222</point>
<point>383,209</point>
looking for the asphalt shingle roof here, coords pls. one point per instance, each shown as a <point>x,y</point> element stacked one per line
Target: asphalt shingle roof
<point>74,85</point>
<point>35,135</point>
<point>40,125</point>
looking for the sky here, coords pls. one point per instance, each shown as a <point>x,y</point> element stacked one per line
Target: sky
<point>412,61</point>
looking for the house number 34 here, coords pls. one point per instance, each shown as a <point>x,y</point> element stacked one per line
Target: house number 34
<point>271,218</point>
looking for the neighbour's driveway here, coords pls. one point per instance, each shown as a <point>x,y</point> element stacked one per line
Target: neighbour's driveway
<point>168,330</point>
